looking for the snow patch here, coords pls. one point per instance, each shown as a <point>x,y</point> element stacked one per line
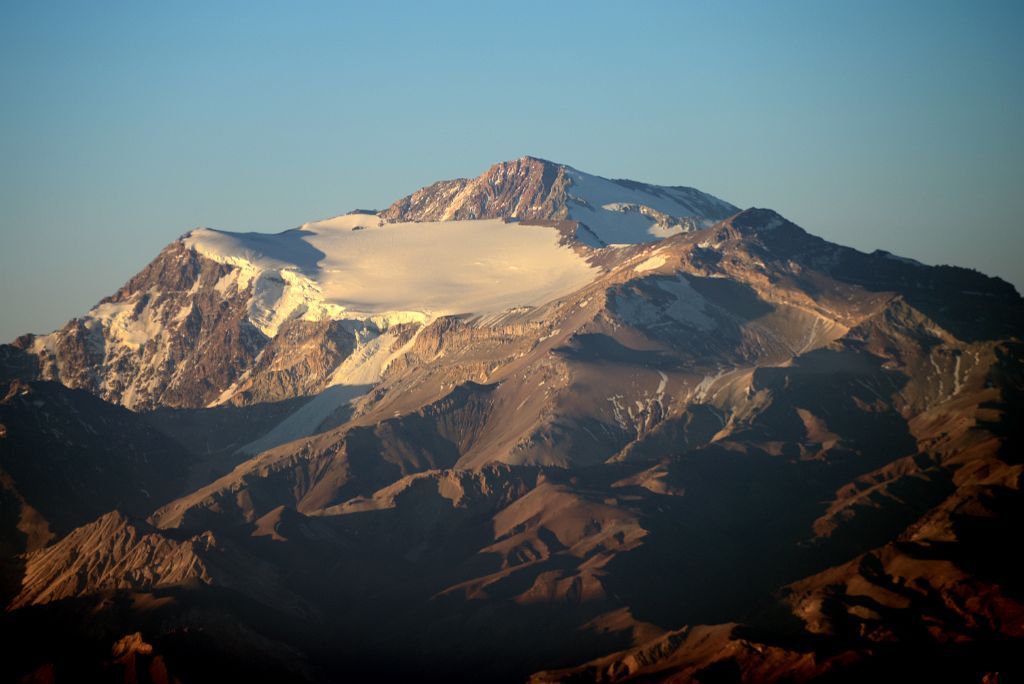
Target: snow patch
<point>650,264</point>
<point>353,378</point>
<point>662,384</point>
<point>122,326</point>
<point>680,303</point>
<point>396,271</point>
<point>613,211</point>
<point>307,419</point>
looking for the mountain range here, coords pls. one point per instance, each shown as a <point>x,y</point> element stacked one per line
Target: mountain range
<point>535,425</point>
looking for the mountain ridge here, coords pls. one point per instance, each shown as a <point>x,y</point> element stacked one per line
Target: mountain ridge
<point>530,188</point>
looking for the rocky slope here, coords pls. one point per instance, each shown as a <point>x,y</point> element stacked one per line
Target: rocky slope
<point>605,431</point>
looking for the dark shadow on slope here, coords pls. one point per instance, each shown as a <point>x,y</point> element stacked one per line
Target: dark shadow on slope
<point>676,435</point>
<point>738,531</point>
<point>72,456</point>
<point>849,391</point>
<point>215,434</point>
<point>869,519</point>
<point>16,363</point>
<point>1008,375</point>
<point>596,348</point>
<point>730,539</point>
<point>969,304</point>
<point>739,299</point>
<point>989,527</point>
<point>198,633</point>
<point>12,572</point>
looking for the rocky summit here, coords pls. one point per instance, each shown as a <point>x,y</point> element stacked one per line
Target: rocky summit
<point>536,425</point>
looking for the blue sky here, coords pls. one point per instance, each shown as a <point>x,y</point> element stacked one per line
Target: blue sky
<point>877,125</point>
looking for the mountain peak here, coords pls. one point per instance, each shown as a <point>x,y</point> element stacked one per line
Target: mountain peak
<point>523,188</point>
<point>758,220</point>
<point>528,158</point>
<point>531,188</point>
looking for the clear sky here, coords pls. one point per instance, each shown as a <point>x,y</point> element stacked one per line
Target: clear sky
<point>886,125</point>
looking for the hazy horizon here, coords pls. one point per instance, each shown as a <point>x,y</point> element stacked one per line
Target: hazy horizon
<point>878,127</point>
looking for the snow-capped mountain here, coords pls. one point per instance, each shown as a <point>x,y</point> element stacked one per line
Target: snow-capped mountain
<point>537,422</point>
<point>190,329</point>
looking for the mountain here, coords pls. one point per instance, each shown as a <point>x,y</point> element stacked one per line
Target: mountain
<point>536,423</point>
<point>187,330</point>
